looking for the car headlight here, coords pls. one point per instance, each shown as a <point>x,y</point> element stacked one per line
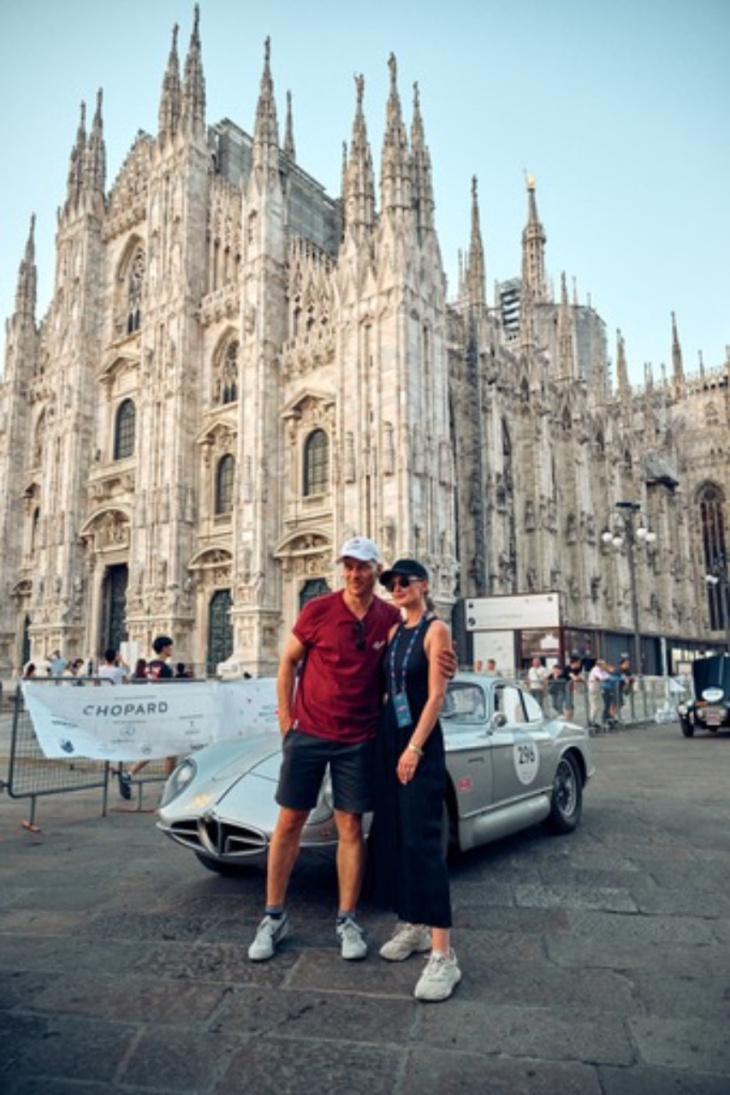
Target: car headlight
<point>179,781</point>
<point>682,709</point>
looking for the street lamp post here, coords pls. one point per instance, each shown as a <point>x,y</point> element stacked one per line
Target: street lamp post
<point>628,512</point>
<point>717,576</point>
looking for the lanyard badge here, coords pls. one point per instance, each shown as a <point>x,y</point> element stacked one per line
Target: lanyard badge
<point>401,706</point>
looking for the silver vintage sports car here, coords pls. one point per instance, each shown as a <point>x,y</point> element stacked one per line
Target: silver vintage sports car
<point>508,767</point>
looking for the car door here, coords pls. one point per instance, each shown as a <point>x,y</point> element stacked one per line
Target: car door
<point>468,740</point>
<point>520,746</point>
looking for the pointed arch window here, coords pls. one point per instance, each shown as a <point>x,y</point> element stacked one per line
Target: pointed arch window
<point>39,439</point>
<point>226,375</point>
<point>224,478</point>
<point>124,430</point>
<point>506,454</point>
<point>135,282</point>
<point>316,463</point>
<point>34,527</point>
<point>712,520</point>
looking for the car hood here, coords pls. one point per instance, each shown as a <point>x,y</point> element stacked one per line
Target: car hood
<point>230,775</point>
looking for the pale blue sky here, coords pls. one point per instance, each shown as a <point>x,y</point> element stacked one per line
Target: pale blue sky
<point>620,110</point>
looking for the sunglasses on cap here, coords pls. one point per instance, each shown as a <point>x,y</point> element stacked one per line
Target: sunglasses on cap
<point>400,581</point>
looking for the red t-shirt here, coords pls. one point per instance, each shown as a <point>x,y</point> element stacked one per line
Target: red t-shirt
<point>339,689</point>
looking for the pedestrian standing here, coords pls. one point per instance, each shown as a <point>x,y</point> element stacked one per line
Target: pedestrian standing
<point>157,669</point>
<point>537,676</point>
<point>410,777</point>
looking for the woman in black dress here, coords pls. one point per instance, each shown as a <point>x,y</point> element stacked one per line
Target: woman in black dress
<point>411,873</point>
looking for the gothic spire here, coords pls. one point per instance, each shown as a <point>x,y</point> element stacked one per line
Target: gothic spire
<point>533,248</point>
<point>193,102</point>
<point>677,365</point>
<point>648,379</point>
<point>25,293</point>
<point>622,372</point>
<point>169,112</point>
<point>395,166</point>
<point>76,163</point>
<point>266,132</point>
<point>476,278</point>
<point>95,156</point>
<point>566,356</point>
<point>358,191</point>
<point>423,202</point>
<point>289,147</point>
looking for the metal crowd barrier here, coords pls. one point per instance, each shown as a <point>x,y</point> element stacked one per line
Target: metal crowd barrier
<point>646,700</point>
<point>32,775</point>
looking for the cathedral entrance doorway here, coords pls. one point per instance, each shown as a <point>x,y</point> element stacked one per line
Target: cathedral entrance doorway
<point>313,588</point>
<point>114,606</point>
<point>220,629</point>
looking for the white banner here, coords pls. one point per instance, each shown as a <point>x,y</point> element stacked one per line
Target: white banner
<point>146,721</point>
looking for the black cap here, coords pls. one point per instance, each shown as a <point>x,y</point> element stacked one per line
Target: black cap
<point>406,568</point>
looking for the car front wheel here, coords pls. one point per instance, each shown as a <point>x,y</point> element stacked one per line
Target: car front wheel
<point>687,728</point>
<point>566,804</point>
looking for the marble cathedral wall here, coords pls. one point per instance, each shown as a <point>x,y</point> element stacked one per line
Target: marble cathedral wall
<point>236,372</point>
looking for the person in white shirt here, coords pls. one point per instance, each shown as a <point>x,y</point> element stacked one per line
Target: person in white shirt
<point>112,667</point>
<point>597,675</point>
<point>537,676</point>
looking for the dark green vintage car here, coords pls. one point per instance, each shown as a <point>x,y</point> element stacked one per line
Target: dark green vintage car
<point>710,708</point>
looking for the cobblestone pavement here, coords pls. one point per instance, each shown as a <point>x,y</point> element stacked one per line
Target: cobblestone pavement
<point>593,963</point>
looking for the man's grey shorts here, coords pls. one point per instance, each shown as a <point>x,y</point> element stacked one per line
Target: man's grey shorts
<point>304,763</point>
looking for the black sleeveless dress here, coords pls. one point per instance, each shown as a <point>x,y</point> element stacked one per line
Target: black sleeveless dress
<point>410,871</point>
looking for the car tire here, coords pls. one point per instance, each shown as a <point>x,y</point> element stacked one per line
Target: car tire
<point>687,728</point>
<point>225,869</point>
<point>566,804</point>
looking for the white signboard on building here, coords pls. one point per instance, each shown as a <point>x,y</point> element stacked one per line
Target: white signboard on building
<point>523,611</point>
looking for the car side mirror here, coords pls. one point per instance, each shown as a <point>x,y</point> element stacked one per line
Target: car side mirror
<point>498,720</point>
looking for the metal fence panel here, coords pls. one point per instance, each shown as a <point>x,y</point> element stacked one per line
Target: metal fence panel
<point>32,775</point>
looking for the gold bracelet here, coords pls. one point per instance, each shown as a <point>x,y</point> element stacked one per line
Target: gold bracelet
<point>415,748</point>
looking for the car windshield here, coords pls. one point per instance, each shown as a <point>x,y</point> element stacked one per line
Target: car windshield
<point>712,672</point>
<point>464,703</point>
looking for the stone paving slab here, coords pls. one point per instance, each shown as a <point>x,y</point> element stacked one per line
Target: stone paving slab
<point>594,964</point>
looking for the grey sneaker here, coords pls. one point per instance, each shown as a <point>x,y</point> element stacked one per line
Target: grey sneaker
<point>440,977</point>
<point>407,939</point>
<point>269,934</point>
<point>352,940</point>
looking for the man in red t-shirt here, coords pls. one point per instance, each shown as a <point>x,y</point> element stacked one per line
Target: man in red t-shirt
<point>331,718</point>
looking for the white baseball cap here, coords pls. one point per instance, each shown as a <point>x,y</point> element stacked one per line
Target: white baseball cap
<point>359,547</point>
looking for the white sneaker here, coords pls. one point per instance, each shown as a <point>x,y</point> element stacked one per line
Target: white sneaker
<point>440,977</point>
<point>407,939</point>
<point>269,934</point>
<point>352,940</point>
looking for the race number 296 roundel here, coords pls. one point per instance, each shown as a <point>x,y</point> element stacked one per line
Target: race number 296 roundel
<point>527,761</point>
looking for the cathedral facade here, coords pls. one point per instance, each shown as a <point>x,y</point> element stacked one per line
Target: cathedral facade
<point>236,372</point>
